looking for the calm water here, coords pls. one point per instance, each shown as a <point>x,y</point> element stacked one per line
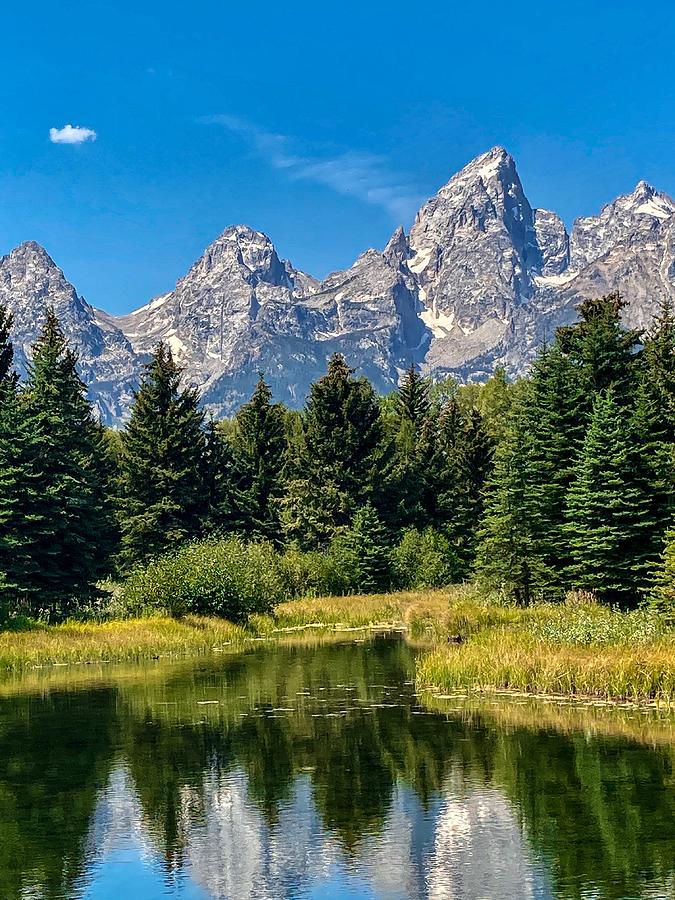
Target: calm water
<point>314,773</point>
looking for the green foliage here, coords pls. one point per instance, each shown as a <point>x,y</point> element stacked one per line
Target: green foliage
<point>662,594</point>
<point>412,398</point>
<point>161,494</point>
<point>425,559</point>
<point>260,445</point>
<point>510,558</point>
<point>361,555</point>
<point>608,509</point>
<point>341,454</point>
<point>67,518</point>
<point>594,625</point>
<point>229,578</point>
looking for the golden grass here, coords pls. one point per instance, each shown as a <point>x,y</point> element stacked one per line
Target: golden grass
<point>129,639</point>
<point>159,636</point>
<point>506,658</point>
<point>543,649</point>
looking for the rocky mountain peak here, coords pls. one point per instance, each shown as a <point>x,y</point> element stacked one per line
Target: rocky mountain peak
<point>397,250</point>
<point>481,279</point>
<point>640,212</point>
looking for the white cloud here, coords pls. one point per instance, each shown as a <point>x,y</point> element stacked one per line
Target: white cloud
<point>365,176</point>
<point>71,134</point>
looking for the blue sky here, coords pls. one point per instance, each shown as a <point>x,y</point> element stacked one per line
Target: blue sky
<point>321,123</point>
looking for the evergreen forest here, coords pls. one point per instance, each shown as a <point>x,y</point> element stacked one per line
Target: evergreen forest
<point>557,482</point>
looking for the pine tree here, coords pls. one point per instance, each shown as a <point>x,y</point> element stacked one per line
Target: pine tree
<point>363,552</point>
<point>341,458</point>
<point>662,595</point>
<point>456,478</point>
<point>551,404</point>
<point>67,517</point>
<point>602,349</point>
<point>161,496</point>
<point>655,417</point>
<point>609,519</point>
<point>15,477</point>
<point>225,507</point>
<point>404,474</point>
<point>509,558</point>
<point>260,447</point>
<point>412,398</point>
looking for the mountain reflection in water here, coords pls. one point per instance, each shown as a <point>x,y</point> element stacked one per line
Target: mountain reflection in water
<point>314,772</point>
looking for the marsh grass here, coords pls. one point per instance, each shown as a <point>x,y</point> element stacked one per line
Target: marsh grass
<point>129,639</point>
<point>576,650</point>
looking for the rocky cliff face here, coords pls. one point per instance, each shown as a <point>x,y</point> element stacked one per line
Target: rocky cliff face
<point>480,281</point>
<point>30,282</point>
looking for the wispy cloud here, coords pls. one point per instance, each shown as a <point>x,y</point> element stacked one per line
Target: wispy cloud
<point>366,176</point>
<point>71,134</point>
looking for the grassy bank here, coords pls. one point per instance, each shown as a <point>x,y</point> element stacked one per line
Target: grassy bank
<point>162,636</point>
<point>467,643</point>
<point>586,651</point>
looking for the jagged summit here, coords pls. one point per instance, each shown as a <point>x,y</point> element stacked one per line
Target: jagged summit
<point>480,280</point>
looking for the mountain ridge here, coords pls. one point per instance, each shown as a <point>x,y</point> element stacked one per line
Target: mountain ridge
<point>480,280</point>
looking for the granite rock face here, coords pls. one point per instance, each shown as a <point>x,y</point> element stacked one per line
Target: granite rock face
<point>481,279</point>
<point>30,282</point>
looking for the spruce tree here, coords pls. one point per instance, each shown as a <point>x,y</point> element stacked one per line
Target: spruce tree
<point>405,473</point>
<point>412,398</point>
<point>225,507</point>
<point>655,417</point>
<point>662,594</point>
<point>15,479</point>
<point>162,495</point>
<point>67,516</point>
<point>604,352</point>
<point>456,478</point>
<point>341,459</point>
<point>260,447</point>
<point>609,519</point>
<point>509,557</point>
<point>362,552</point>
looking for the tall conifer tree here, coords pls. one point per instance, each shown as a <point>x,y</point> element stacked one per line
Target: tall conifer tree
<point>162,493</point>
<point>68,520</point>
<point>15,478</point>
<point>260,447</point>
<point>608,509</point>
<point>510,558</point>
<point>341,458</point>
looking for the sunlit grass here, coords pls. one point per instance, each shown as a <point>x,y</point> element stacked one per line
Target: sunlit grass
<point>470,642</point>
<point>580,651</point>
<point>129,639</point>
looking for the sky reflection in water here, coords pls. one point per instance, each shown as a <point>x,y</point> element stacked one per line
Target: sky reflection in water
<point>307,773</point>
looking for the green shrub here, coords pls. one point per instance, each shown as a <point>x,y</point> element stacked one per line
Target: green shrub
<point>311,574</point>
<point>228,578</point>
<point>425,559</point>
<point>591,624</point>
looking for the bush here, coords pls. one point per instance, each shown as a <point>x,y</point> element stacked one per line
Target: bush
<point>311,574</point>
<point>228,578</point>
<point>425,559</point>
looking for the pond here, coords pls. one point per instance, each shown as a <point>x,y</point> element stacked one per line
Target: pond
<point>316,772</point>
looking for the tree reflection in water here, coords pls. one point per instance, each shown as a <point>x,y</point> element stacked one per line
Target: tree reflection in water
<point>281,771</point>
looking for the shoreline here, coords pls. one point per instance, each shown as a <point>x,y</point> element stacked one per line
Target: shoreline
<point>466,644</point>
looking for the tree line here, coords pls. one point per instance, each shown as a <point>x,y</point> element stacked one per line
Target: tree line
<point>561,480</point>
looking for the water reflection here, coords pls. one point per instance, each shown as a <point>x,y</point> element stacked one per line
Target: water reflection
<point>314,773</point>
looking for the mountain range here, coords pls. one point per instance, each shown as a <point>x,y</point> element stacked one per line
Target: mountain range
<point>480,280</point>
